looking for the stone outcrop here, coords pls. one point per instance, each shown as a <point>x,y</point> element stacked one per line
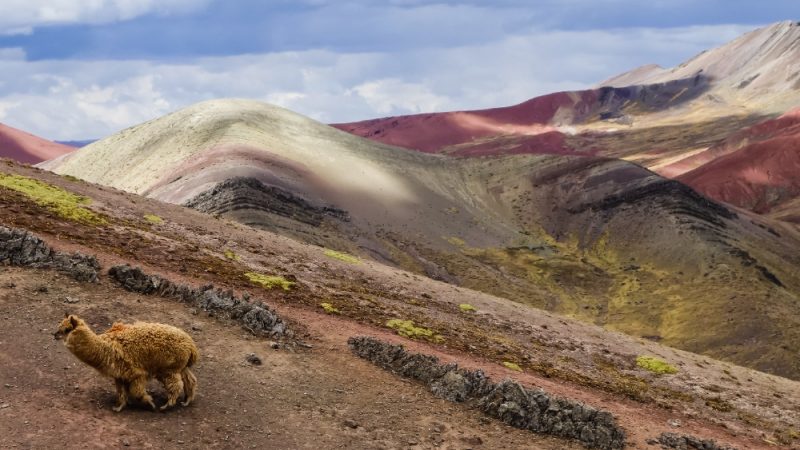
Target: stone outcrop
<point>254,316</point>
<point>508,401</point>
<point>249,194</point>
<point>686,442</point>
<point>21,248</point>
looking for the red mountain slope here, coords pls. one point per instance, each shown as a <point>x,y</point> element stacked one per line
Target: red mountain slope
<point>756,168</point>
<point>27,148</point>
<point>432,132</point>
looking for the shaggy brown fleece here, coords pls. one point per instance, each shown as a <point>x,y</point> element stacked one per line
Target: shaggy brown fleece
<point>133,353</point>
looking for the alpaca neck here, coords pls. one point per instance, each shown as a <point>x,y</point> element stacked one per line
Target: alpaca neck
<point>89,348</point>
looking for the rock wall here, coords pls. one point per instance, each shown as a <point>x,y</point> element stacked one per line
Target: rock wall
<point>686,442</point>
<point>255,317</point>
<point>508,401</point>
<point>21,248</point>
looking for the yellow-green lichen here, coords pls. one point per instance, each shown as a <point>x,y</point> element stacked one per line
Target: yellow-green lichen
<point>408,329</point>
<point>455,241</point>
<point>154,219</point>
<point>655,365</point>
<point>329,308</point>
<point>512,366</point>
<point>466,307</point>
<point>341,256</point>
<point>63,203</point>
<point>229,254</point>
<point>269,281</point>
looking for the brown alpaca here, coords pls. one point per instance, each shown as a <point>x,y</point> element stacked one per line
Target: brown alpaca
<point>133,353</point>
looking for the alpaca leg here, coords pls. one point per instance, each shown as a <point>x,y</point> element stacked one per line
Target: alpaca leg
<point>122,394</point>
<point>138,390</point>
<point>189,385</point>
<point>174,387</point>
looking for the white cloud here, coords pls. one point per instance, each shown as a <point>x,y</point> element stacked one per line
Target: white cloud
<point>21,16</point>
<point>391,95</point>
<point>90,99</point>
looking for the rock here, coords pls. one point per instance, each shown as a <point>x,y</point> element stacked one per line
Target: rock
<point>21,248</point>
<point>687,442</point>
<point>349,423</point>
<point>126,443</point>
<point>253,359</point>
<point>274,345</point>
<point>5,405</point>
<point>472,440</point>
<point>71,300</point>
<point>197,327</point>
<point>42,289</point>
<point>675,423</point>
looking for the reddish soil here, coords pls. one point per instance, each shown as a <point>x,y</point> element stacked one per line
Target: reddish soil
<point>27,148</point>
<point>754,169</point>
<point>432,132</point>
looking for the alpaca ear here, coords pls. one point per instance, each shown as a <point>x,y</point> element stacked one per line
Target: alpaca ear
<point>74,321</point>
<point>66,314</point>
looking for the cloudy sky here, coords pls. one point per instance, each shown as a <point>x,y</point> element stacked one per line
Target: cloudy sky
<point>77,69</point>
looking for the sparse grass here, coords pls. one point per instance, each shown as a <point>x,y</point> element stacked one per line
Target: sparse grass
<point>229,254</point>
<point>63,203</point>
<point>270,281</point>
<point>455,241</point>
<point>154,219</point>
<point>655,365</point>
<point>329,308</point>
<point>512,366</point>
<point>719,404</point>
<point>408,329</point>
<point>467,308</point>
<point>341,256</point>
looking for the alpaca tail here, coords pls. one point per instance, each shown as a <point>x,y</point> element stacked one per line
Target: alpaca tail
<point>189,380</point>
<point>193,357</point>
<point>189,385</point>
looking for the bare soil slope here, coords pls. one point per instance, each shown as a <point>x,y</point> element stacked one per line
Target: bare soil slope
<point>323,396</point>
<point>756,169</point>
<point>27,148</point>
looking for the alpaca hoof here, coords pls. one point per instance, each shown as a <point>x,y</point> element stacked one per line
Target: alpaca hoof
<point>165,407</point>
<point>118,408</point>
<point>186,403</point>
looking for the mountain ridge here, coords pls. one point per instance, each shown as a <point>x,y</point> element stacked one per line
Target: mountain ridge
<point>27,148</point>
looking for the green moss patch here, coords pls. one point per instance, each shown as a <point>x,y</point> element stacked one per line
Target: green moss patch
<point>154,219</point>
<point>341,256</point>
<point>329,308</point>
<point>655,365</point>
<point>63,203</point>
<point>270,281</point>
<point>467,308</point>
<point>408,329</point>
<point>512,366</point>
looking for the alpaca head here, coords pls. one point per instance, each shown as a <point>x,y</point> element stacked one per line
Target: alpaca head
<point>69,323</point>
